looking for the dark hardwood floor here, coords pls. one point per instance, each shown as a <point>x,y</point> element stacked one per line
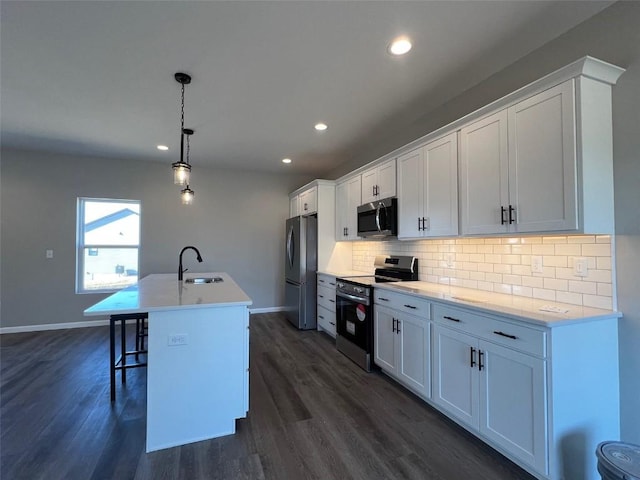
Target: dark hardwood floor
<point>313,415</point>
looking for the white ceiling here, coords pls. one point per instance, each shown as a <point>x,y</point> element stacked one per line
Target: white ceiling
<point>97,77</point>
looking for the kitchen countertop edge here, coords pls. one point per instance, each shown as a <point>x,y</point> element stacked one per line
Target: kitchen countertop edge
<point>524,309</point>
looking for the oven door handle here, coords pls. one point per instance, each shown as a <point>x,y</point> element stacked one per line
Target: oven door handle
<point>352,297</point>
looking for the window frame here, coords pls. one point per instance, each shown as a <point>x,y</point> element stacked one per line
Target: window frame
<point>81,246</point>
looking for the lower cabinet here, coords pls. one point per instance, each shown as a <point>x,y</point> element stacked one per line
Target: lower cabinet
<point>544,395</point>
<point>326,306</point>
<point>497,391</point>
<point>401,348</point>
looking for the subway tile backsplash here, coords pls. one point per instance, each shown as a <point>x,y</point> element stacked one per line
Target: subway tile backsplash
<point>504,265</point>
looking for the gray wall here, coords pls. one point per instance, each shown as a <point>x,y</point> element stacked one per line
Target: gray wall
<point>237,222</point>
<point>613,36</point>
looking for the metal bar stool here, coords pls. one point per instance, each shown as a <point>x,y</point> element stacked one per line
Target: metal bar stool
<point>121,362</point>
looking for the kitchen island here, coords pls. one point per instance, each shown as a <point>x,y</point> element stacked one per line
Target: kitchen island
<point>198,354</point>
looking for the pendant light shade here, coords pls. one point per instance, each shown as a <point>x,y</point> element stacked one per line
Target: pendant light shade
<point>181,173</point>
<point>182,169</point>
<point>186,195</point>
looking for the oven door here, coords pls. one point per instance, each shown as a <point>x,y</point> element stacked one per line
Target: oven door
<point>354,321</point>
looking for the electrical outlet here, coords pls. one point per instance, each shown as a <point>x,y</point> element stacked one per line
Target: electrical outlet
<point>49,253</point>
<point>178,339</point>
<point>448,259</point>
<point>580,267</point>
<point>536,264</point>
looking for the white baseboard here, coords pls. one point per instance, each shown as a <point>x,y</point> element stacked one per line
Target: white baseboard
<point>267,310</point>
<point>97,323</point>
<point>53,326</point>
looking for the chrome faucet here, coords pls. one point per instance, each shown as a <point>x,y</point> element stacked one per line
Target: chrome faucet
<point>180,270</point>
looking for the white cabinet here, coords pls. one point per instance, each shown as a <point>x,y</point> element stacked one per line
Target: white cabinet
<point>531,167</point>
<point>348,195</point>
<point>319,197</point>
<point>401,343</point>
<point>523,387</point>
<point>379,182</point>
<point>304,203</point>
<point>326,307</point>
<point>428,190</point>
<point>499,392</point>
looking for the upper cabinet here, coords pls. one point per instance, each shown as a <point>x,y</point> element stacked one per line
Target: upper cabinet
<point>538,160</point>
<point>543,162</point>
<point>348,195</point>
<point>304,203</point>
<point>379,182</point>
<point>428,190</point>
<point>519,167</point>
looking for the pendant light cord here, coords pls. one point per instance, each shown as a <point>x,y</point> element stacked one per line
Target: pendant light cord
<point>182,127</point>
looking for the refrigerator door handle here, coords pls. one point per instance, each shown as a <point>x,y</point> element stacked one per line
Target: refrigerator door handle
<point>290,246</point>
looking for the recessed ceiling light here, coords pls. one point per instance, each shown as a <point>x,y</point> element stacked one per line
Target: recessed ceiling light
<point>400,46</point>
<point>320,126</point>
<point>286,160</point>
<point>162,147</point>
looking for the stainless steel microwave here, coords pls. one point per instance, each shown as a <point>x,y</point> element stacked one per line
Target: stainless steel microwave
<point>378,218</point>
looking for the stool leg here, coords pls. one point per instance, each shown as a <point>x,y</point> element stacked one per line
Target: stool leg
<point>137,338</point>
<point>123,341</point>
<point>112,357</point>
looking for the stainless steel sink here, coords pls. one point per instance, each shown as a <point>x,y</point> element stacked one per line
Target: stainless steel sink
<point>202,280</point>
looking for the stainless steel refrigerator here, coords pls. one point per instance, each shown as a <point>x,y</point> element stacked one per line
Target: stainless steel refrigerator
<point>301,253</point>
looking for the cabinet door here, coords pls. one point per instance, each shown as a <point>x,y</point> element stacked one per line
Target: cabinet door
<point>293,206</point>
<point>512,403</point>
<point>369,185</point>
<point>384,338</point>
<point>351,214</point>
<point>484,175</point>
<point>386,180</point>
<point>410,190</point>
<point>308,201</point>
<point>414,367</point>
<point>455,380</point>
<point>342,205</point>
<point>542,161</point>
<point>441,187</point>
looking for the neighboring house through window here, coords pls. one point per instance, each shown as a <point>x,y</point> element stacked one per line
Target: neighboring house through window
<point>108,244</point>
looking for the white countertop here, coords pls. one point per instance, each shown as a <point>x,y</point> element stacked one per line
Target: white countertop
<point>159,292</point>
<point>521,308</point>
<point>345,273</point>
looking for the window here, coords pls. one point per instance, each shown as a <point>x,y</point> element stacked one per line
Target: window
<point>108,244</point>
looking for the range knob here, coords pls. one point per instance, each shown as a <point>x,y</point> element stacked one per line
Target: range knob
<point>358,289</point>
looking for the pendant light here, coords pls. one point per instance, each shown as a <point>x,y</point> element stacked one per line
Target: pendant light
<point>182,170</point>
<point>187,194</point>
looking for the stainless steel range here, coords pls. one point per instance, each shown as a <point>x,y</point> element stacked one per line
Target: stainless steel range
<point>354,305</point>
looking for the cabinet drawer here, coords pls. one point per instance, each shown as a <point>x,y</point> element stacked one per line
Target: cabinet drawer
<point>326,320</point>
<point>327,298</point>
<point>511,335</point>
<point>405,303</point>
<point>325,280</point>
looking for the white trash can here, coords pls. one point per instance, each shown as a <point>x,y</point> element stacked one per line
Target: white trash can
<point>618,461</point>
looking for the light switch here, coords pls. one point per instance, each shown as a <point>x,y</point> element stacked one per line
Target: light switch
<point>49,253</point>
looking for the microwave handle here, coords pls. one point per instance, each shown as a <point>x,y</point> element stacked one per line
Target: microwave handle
<point>378,216</point>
